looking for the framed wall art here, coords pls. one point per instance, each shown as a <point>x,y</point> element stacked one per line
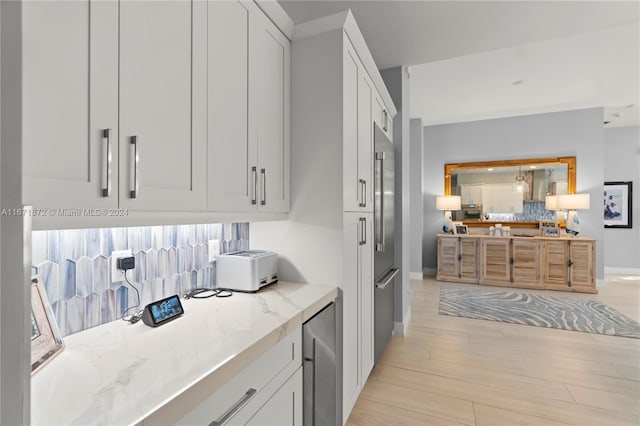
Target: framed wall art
<point>46,341</point>
<point>617,205</point>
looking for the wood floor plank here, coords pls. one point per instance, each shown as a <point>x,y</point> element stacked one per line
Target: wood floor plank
<point>375,413</point>
<point>492,416</point>
<point>449,370</point>
<point>430,404</point>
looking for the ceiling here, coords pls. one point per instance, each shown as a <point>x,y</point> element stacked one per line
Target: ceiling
<point>476,60</point>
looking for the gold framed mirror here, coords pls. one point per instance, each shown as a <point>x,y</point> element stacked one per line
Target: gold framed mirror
<point>508,191</point>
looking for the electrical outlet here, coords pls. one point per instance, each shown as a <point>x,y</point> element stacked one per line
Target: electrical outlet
<point>214,249</point>
<point>116,274</point>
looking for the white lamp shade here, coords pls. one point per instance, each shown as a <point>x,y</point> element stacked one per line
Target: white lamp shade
<point>448,202</point>
<point>573,201</point>
<point>551,202</point>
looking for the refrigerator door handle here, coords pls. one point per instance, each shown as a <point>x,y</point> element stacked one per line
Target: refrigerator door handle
<point>384,282</point>
<point>380,231</point>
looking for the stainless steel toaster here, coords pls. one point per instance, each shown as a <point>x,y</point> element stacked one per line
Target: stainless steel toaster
<point>247,270</point>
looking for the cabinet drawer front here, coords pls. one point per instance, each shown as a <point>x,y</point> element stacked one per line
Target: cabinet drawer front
<point>194,407</point>
<point>526,262</point>
<point>496,264</point>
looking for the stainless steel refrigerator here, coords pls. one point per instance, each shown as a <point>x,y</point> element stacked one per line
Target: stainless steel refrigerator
<point>384,250</point>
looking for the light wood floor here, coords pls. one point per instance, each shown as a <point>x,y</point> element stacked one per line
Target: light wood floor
<point>458,371</point>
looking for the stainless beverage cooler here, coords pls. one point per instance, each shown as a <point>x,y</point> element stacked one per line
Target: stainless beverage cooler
<point>322,371</point>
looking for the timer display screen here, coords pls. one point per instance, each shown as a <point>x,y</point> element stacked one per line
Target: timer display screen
<point>165,309</point>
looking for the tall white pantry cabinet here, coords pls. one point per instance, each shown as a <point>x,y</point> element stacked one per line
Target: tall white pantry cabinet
<point>329,238</point>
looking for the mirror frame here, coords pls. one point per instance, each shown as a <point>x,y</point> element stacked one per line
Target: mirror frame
<point>571,180</point>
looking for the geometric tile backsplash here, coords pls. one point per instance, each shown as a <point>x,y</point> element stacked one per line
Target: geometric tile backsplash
<point>75,266</point>
<point>532,211</point>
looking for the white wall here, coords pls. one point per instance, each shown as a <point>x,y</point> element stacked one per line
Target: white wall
<point>415,184</point>
<point>577,133</point>
<point>622,163</point>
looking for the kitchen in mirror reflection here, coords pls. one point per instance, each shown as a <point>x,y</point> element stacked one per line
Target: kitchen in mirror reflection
<point>508,191</point>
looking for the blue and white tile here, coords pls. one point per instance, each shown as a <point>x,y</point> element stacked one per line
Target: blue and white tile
<point>75,315</point>
<point>68,279</point>
<point>101,274</point>
<point>188,259</point>
<point>59,308</point>
<point>93,244</point>
<point>163,262</point>
<point>108,306</point>
<point>156,237</point>
<point>180,259</point>
<point>122,300</point>
<point>92,311</point>
<point>84,276</point>
<point>172,261</point>
<point>141,266</point>
<point>50,273</point>
<point>152,264</point>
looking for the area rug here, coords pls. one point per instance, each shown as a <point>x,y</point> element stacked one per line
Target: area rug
<point>564,313</point>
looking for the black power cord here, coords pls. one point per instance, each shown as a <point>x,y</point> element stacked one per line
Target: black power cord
<point>205,293</point>
<point>133,318</point>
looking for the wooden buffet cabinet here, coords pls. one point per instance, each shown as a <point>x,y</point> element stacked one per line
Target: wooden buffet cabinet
<point>550,263</point>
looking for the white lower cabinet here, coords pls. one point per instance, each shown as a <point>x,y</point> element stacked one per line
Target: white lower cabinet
<point>268,392</point>
<point>358,354</point>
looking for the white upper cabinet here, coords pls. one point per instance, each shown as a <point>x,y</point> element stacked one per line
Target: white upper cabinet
<point>382,118</point>
<point>249,75</point>
<point>163,84</point>
<point>231,154</point>
<point>70,104</point>
<point>272,70</point>
<point>357,133</point>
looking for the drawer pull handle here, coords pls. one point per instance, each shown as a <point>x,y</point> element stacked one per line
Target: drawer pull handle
<point>237,406</point>
<point>254,197</point>
<point>133,172</point>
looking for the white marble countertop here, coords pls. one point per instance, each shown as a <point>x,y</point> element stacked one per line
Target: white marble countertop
<point>120,373</point>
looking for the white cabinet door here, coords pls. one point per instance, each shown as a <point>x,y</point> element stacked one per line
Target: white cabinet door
<point>163,105</point>
<point>366,286</point>
<point>357,288</point>
<point>284,408</point>
<point>381,116</point>
<point>70,97</point>
<point>272,64</point>
<point>231,154</point>
<point>357,133</point>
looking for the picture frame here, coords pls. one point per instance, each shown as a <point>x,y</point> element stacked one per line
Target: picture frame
<point>46,340</point>
<point>548,228</point>
<point>461,229</point>
<point>617,204</point>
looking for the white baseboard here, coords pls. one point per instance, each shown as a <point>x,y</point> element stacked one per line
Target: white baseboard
<point>415,276</point>
<point>400,328</point>
<point>629,271</point>
<point>429,271</point>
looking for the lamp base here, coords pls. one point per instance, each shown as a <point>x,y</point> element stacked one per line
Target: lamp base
<point>447,225</point>
<point>573,223</point>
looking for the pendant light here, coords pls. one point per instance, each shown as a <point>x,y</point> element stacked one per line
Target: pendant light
<point>520,185</point>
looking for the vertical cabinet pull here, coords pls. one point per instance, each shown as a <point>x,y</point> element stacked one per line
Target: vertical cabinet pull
<point>237,406</point>
<point>363,192</point>
<point>386,120</point>
<point>363,231</point>
<point>106,162</point>
<point>263,172</point>
<point>254,196</point>
<point>133,171</point>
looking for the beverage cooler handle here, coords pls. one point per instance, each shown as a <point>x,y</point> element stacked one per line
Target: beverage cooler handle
<point>313,381</point>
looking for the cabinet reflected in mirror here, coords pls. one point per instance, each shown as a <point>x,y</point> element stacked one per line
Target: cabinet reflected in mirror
<point>511,191</point>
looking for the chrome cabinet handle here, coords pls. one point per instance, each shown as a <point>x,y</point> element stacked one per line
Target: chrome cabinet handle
<point>386,120</point>
<point>231,411</point>
<point>363,232</point>
<point>106,162</point>
<point>133,171</point>
<point>363,192</point>
<point>384,282</point>
<point>254,172</point>
<point>263,172</point>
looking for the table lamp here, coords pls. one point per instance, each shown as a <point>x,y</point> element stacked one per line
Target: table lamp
<point>573,202</point>
<point>448,203</point>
